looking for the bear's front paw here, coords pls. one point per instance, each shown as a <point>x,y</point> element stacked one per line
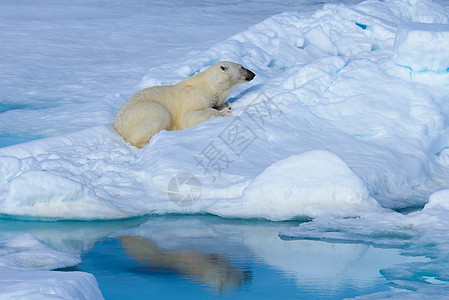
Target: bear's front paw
<point>226,112</point>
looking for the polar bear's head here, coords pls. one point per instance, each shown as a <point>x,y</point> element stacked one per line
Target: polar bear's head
<point>226,75</point>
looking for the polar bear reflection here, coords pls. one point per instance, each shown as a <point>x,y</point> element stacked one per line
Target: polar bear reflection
<point>213,270</point>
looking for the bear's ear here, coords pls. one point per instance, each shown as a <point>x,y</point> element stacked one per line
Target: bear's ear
<point>224,68</point>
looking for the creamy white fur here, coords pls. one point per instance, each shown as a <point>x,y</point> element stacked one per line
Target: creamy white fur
<point>176,107</point>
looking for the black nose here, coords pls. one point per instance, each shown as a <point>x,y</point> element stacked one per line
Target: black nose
<point>250,75</point>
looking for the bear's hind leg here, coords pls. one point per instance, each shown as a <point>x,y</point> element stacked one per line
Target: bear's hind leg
<point>156,118</point>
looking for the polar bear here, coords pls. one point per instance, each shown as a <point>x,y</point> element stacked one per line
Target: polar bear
<point>185,104</point>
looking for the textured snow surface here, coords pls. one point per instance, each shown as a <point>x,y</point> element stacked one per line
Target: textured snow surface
<point>341,80</point>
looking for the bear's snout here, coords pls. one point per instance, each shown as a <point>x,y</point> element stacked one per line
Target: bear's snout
<point>249,75</point>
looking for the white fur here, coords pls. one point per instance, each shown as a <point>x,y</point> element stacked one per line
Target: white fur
<point>175,107</point>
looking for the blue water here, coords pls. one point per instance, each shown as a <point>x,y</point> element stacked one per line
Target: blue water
<point>117,275</point>
<point>12,140</point>
<point>121,277</point>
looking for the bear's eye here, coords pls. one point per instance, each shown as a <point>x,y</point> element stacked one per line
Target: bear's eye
<point>223,68</point>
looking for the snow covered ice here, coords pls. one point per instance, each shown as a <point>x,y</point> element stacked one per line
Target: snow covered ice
<point>346,122</point>
<point>319,182</point>
<point>331,81</point>
<point>415,41</point>
<point>25,265</point>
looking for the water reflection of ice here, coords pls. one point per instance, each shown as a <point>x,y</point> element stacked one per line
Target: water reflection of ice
<point>67,236</point>
<point>314,264</point>
<point>184,242</point>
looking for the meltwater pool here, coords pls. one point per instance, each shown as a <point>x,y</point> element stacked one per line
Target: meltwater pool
<point>203,256</point>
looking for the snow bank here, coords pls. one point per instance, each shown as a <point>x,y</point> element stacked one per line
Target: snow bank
<point>339,80</point>
<point>56,193</point>
<point>307,184</point>
<point>23,261</point>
